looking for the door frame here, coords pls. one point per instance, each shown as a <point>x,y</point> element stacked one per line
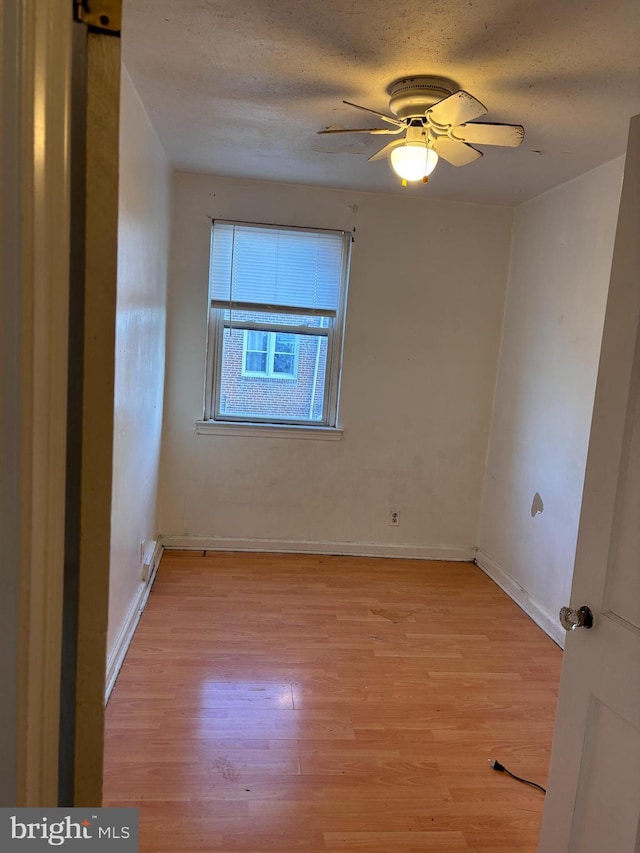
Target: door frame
<point>34,305</point>
<point>38,240</point>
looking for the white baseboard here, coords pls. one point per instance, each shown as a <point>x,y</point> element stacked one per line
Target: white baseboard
<point>123,641</point>
<point>295,546</point>
<point>545,620</point>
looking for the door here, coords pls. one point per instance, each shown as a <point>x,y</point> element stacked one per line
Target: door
<point>593,804</point>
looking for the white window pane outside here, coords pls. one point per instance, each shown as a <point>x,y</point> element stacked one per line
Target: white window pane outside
<point>285,351</point>
<point>272,354</point>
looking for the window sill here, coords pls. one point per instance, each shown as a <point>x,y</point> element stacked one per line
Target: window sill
<point>317,433</point>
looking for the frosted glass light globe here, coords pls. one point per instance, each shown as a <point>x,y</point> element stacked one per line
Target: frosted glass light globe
<point>413,161</point>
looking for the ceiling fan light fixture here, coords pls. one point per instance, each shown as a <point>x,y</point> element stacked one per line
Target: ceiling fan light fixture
<point>413,161</point>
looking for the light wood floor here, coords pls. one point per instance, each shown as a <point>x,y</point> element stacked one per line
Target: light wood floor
<point>308,703</point>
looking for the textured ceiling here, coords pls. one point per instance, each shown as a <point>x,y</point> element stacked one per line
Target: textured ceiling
<point>240,88</point>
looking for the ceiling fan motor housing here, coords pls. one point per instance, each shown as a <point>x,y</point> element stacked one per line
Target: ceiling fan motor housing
<point>412,96</point>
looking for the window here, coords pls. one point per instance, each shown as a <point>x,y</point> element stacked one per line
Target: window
<point>276,316</point>
<point>273,354</point>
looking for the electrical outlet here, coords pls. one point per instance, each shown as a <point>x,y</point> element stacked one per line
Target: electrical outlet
<point>394,518</point>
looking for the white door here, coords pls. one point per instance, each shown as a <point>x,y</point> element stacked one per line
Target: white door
<point>593,803</point>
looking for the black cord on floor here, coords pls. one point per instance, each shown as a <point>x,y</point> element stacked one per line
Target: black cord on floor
<point>502,769</point>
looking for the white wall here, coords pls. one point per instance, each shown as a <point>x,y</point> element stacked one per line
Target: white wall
<point>143,234</point>
<point>558,283</point>
<point>426,301</point>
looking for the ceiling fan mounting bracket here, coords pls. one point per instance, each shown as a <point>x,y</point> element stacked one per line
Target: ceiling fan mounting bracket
<point>412,96</point>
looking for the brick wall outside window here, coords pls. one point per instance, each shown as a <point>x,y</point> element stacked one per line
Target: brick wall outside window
<point>266,396</point>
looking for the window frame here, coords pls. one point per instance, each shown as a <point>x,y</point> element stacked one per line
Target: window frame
<point>333,332</point>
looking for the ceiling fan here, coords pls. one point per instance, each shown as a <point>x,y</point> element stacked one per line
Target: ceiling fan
<point>435,121</point>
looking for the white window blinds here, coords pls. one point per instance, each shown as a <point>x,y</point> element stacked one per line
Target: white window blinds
<point>257,265</point>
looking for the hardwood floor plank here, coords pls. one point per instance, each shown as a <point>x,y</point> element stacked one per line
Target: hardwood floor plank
<point>282,702</point>
<point>392,842</point>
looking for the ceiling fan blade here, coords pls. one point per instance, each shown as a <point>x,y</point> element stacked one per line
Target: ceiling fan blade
<point>362,130</point>
<point>456,109</point>
<point>456,153</point>
<point>510,135</point>
<point>386,150</point>
<point>384,117</point>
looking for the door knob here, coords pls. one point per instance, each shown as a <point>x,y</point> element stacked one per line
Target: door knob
<point>571,619</point>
